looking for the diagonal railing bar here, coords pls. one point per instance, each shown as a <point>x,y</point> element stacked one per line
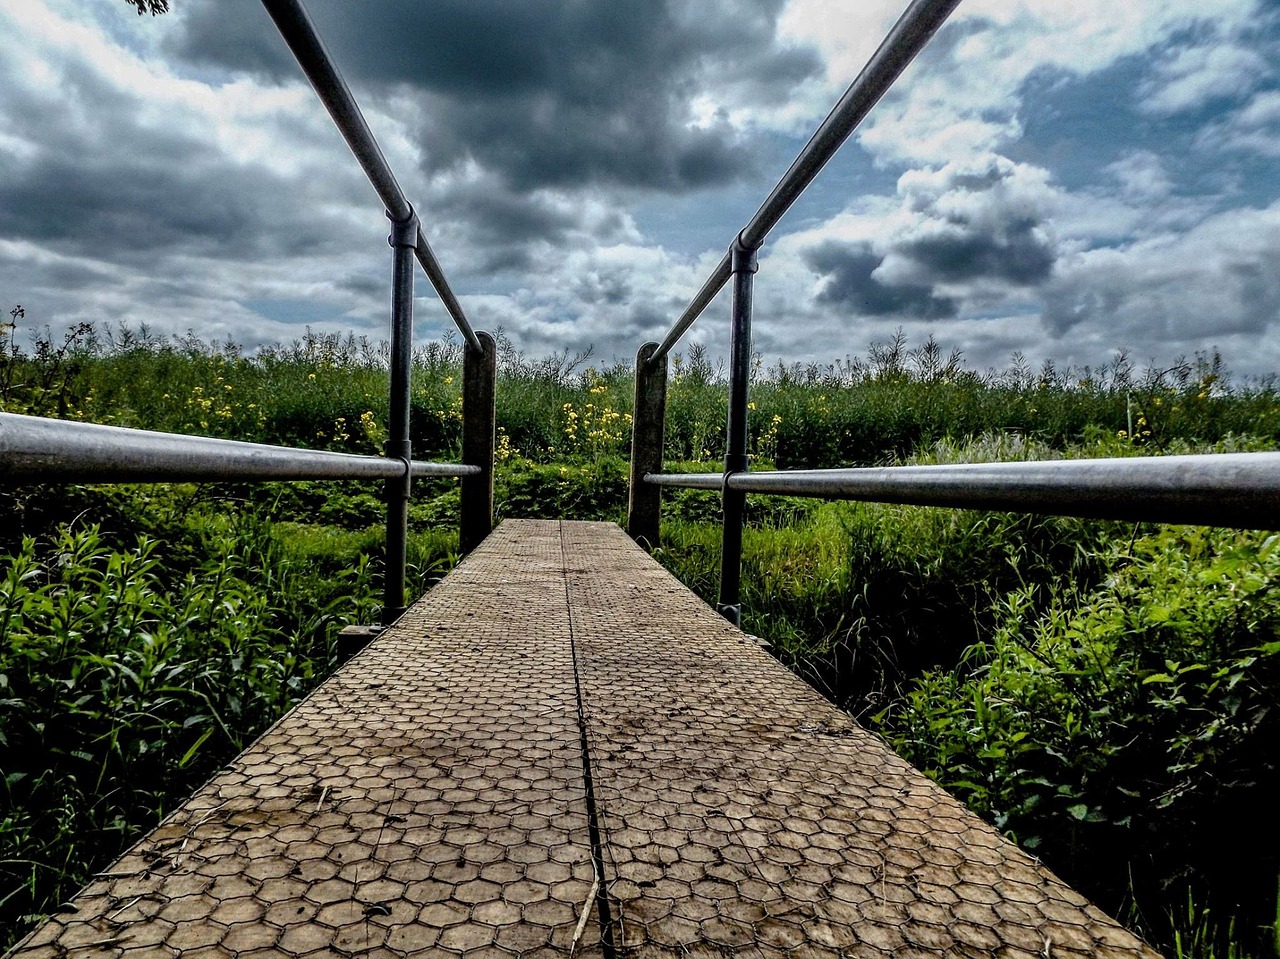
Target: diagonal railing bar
<point>435,273</point>
<point>1232,490</point>
<point>33,449</point>
<point>701,300</point>
<point>907,38</point>
<point>407,242</point>
<point>299,32</point>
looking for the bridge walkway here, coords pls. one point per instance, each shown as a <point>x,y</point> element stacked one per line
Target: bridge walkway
<point>561,751</point>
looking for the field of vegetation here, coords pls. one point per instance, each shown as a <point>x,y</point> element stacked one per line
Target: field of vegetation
<point>1104,692</point>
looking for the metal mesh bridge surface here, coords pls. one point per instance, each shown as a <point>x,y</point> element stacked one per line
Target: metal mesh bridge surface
<point>561,750</point>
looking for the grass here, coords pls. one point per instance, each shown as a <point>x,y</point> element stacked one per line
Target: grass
<point>142,652</point>
<point>1024,662</point>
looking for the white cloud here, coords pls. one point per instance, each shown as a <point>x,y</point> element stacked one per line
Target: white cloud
<point>1194,76</point>
<point>1189,279</point>
<point>1141,175</point>
<point>1254,128</point>
<point>964,97</point>
<point>1177,291</point>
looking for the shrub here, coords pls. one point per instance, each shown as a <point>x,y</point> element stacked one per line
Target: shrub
<point>1127,732</point>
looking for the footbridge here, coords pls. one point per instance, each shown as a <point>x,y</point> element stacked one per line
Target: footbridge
<point>561,751</point>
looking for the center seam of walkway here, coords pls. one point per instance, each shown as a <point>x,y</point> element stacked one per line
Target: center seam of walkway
<point>604,907</point>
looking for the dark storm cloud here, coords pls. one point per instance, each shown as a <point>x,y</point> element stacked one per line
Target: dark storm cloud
<point>104,183</point>
<point>116,211</point>
<point>499,215</point>
<point>509,232</point>
<point>501,227</point>
<point>236,35</point>
<point>963,231</point>
<point>496,214</point>
<point>1017,254</point>
<point>848,268</point>
<point>547,94</point>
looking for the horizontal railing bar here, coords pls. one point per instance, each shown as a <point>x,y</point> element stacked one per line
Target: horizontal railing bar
<point>1239,490</point>
<point>421,469</point>
<point>38,450</point>
<point>705,481</point>
<point>907,38</point>
<point>299,32</point>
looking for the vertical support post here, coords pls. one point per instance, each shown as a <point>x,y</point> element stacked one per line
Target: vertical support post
<point>479,418</point>
<point>403,240</point>
<point>743,266</point>
<point>648,430</point>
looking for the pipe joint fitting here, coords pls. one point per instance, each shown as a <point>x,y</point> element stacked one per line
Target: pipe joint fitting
<point>743,258</point>
<point>404,233</point>
<point>731,470</point>
<point>401,450</point>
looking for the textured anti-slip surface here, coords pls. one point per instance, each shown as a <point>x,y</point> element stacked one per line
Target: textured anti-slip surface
<point>560,750</point>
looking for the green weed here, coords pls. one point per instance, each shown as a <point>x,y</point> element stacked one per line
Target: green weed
<point>1126,731</point>
<point>1101,691</point>
<point>135,664</point>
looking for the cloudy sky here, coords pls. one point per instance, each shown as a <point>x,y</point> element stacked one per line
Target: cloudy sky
<point>1061,179</point>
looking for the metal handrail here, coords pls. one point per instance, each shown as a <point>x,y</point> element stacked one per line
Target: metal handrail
<point>1240,490</point>
<point>408,242</point>
<point>38,450</point>
<point>299,32</point>
<point>907,38</point>
<point>1237,490</point>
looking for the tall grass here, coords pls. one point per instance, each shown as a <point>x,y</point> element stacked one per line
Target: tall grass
<point>329,391</point>
<point>1099,690</point>
<point>1126,730</point>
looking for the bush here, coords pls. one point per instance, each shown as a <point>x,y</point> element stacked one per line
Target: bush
<point>591,489</point>
<point>1128,732</point>
<point>141,656</point>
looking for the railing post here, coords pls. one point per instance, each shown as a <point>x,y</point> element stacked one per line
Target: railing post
<point>479,417</point>
<point>648,424</point>
<point>743,265</point>
<point>403,240</point>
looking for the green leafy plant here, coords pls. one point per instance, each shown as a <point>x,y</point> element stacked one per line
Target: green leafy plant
<point>1133,723</point>
<point>135,665</point>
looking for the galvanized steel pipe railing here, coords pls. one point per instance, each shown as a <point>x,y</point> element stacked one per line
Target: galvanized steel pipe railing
<point>743,265</point>
<point>907,38</point>
<point>1237,490</point>
<point>398,445</point>
<point>38,450</point>
<point>299,32</point>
